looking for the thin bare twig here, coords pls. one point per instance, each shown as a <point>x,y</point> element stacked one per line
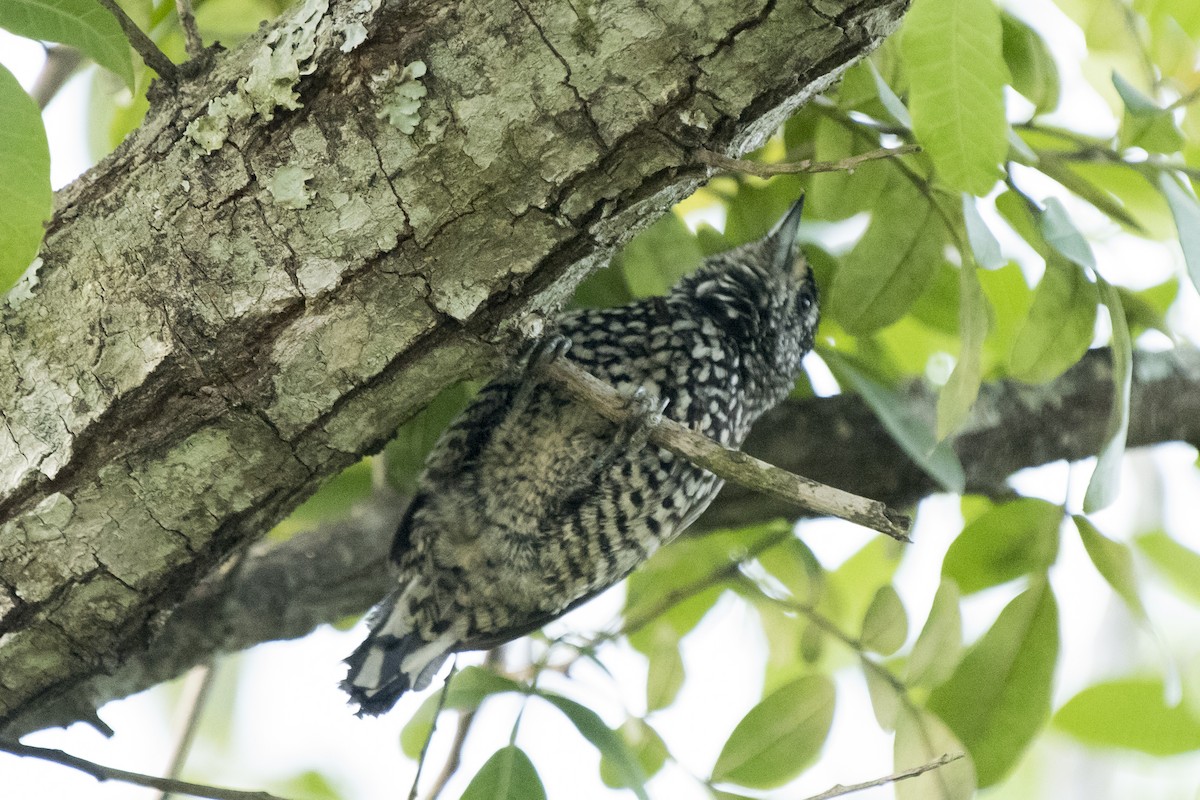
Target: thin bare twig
<point>454,759</point>
<point>723,162</point>
<point>61,63</point>
<point>103,773</point>
<point>191,34</point>
<point>441,704</point>
<point>839,790</point>
<point>200,681</point>
<point>1185,100</point>
<point>155,58</point>
<point>732,465</point>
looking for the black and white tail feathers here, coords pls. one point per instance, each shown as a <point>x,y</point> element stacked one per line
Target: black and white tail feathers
<point>393,659</point>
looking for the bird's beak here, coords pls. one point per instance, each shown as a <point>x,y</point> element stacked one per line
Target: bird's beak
<point>783,241</point>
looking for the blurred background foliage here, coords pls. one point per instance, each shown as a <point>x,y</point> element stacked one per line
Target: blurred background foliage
<point>1051,210</point>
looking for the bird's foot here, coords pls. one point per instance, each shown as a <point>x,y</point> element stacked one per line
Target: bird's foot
<point>645,411</point>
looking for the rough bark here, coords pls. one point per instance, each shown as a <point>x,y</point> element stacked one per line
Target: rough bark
<point>283,590</point>
<point>286,261</point>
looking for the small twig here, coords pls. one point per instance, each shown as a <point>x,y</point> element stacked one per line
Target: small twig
<point>61,63</point>
<point>733,465</point>
<point>1185,100</point>
<point>839,790</point>
<point>191,34</point>
<point>200,681</point>
<point>155,58</point>
<point>103,773</point>
<point>491,660</point>
<point>454,760</point>
<point>437,712</point>
<point>723,162</point>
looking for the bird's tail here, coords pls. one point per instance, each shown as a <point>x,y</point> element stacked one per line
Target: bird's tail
<point>393,658</point>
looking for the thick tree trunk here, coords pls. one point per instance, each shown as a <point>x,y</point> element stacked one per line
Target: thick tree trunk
<point>301,247</point>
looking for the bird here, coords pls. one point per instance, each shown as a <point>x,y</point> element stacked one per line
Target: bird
<point>531,503</point>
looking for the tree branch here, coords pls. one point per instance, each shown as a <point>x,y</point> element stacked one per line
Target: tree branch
<point>732,465</point>
<point>155,58</point>
<point>191,33</point>
<point>284,263</point>
<point>103,773</point>
<point>340,569</point>
<point>761,170</point>
<point>61,63</point>
<point>840,791</point>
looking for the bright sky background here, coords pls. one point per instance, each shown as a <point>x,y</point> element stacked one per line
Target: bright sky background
<point>289,716</point>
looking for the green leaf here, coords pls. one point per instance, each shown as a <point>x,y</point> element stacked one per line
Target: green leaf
<point>659,256</point>
<point>1006,542</point>
<point>913,435</point>
<point>939,645</point>
<point>851,587</point>
<point>507,775</point>
<point>1147,309</point>
<point>1186,212</point>
<point>1144,124</point>
<point>959,394</point>
<point>1109,187</point>
<point>1133,714</point>
<point>468,688</point>
<point>1157,134</point>
<point>1135,101</point>
<point>647,747</point>
<point>333,500</point>
<point>953,55</point>
<point>1034,73</point>
<point>983,241</point>
<point>685,569</point>
<point>841,194</point>
<point>794,565</point>
<point>780,736</point>
<point>1178,564</point>
<point>665,673</point>
<point>232,20</point>
<point>1060,325</point>
<point>922,738</point>
<point>1010,299</point>
<point>25,196</point>
<point>1114,561</point>
<point>885,625</point>
<point>999,696</point>
<point>889,267</point>
<point>885,699</point>
<point>1061,234</point>
<point>757,205</point>
<point>83,24</point>
<point>310,784</point>
<point>1106,480</point>
<point>405,454</point>
<point>894,105</point>
<point>812,644</point>
<point>1017,213</point>
<point>604,739</point>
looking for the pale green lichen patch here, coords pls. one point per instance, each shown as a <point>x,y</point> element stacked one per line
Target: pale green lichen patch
<point>270,82</point>
<point>355,33</point>
<point>287,186</point>
<point>402,107</point>
<point>25,285</point>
